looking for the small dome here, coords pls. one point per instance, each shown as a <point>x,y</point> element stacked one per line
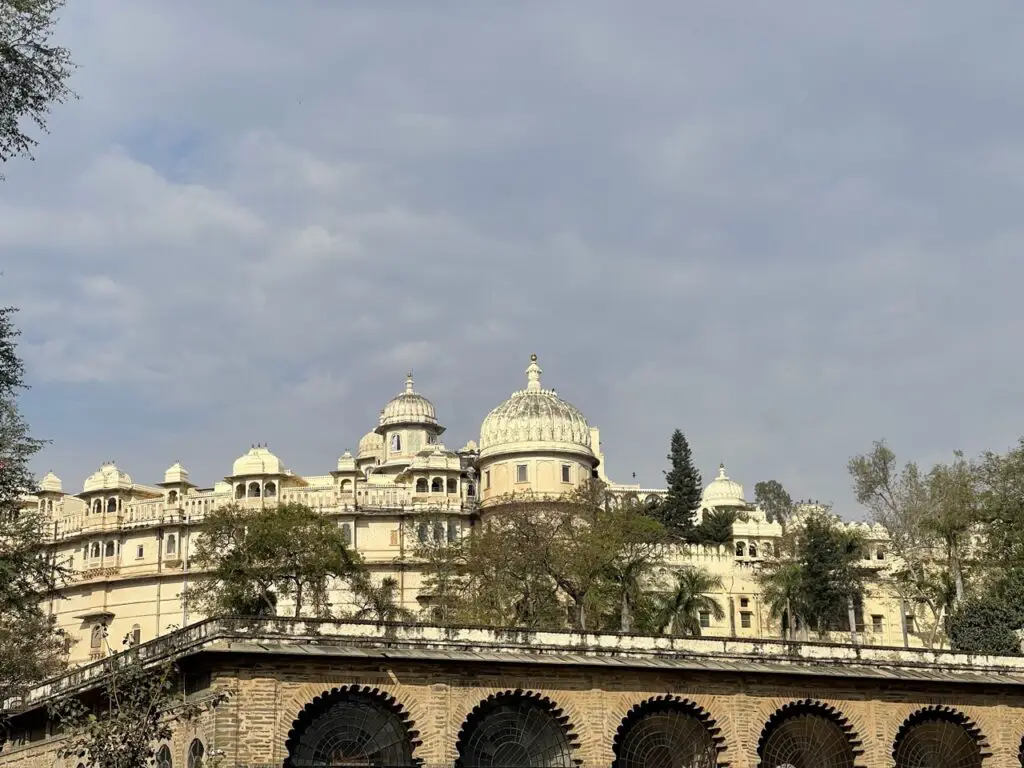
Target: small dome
<point>371,445</point>
<point>470,447</point>
<point>107,478</point>
<point>258,461</point>
<point>723,492</point>
<point>176,474</point>
<point>346,463</point>
<point>410,407</point>
<point>50,484</point>
<point>535,419</point>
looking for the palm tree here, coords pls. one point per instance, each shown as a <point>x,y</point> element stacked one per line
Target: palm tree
<point>680,609</point>
<point>379,602</point>
<point>781,588</point>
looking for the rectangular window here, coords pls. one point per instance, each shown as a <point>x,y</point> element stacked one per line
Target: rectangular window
<point>139,552</point>
<point>910,622</point>
<point>876,623</point>
<point>745,619</point>
<point>566,473</point>
<point>487,480</point>
<point>744,602</point>
<point>705,619</point>
<point>394,538</point>
<point>521,476</point>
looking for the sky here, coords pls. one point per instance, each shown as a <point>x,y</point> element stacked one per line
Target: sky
<point>787,228</point>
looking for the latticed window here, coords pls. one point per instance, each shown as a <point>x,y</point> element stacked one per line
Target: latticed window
<point>937,741</point>
<point>666,737</point>
<point>196,753</point>
<point>163,757</point>
<point>515,730</point>
<point>806,739</point>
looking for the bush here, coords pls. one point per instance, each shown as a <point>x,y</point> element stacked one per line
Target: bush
<point>985,625</point>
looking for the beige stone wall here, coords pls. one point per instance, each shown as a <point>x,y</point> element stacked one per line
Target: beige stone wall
<point>265,700</point>
<point>501,477</point>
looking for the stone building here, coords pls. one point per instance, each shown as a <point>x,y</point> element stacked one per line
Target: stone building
<point>128,543</point>
<point>298,694</point>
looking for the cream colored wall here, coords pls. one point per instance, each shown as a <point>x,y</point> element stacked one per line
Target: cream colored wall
<point>544,475</point>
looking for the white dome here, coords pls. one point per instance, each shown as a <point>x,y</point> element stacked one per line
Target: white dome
<point>107,478</point>
<point>346,463</point>
<point>51,483</point>
<point>258,461</point>
<point>371,445</point>
<point>723,492</point>
<point>410,407</point>
<point>535,419</point>
<point>176,474</point>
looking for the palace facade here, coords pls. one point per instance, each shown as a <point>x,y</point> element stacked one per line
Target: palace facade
<point>128,544</point>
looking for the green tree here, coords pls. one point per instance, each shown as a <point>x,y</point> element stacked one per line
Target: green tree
<point>445,578</point>
<point>716,527</point>
<point>775,500</point>
<point>928,518</point>
<point>255,557</point>
<point>782,590</point>
<point>379,602</point>
<point>818,572</point>
<point>31,645</point>
<point>1000,480</point>
<point>33,72</point>
<point>138,707</point>
<point>677,510</point>
<point>987,625</point>
<point>679,609</point>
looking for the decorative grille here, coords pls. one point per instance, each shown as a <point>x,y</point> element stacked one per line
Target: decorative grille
<point>937,743</point>
<point>668,739</point>
<point>515,732</point>
<point>356,730</point>
<point>806,740</point>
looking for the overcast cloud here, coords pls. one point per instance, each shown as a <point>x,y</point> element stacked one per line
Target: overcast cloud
<point>788,228</point>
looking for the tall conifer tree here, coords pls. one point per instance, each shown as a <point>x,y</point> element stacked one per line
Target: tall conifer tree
<point>684,489</point>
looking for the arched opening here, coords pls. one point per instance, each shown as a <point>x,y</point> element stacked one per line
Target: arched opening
<point>163,757</point>
<point>752,551</point>
<point>515,730</point>
<point>270,489</point>
<point>421,485</point>
<point>436,485</point>
<point>453,485</point>
<point>807,734</point>
<point>741,549</point>
<point>938,738</point>
<point>96,638</point>
<point>346,533</point>
<point>254,490</point>
<point>438,531</point>
<point>97,506</point>
<point>351,726</point>
<point>346,486</point>
<point>172,545</point>
<point>95,549</point>
<point>396,443</point>
<point>196,753</point>
<point>109,550</point>
<point>172,497</point>
<point>471,490</point>
<point>136,634</point>
<point>111,505</point>
<point>665,733</point>
<point>422,533</point>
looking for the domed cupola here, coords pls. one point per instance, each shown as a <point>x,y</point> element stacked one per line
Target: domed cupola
<point>535,419</point>
<point>258,461</point>
<point>50,484</point>
<point>408,408</point>
<point>723,492</point>
<point>371,445</point>
<point>107,478</point>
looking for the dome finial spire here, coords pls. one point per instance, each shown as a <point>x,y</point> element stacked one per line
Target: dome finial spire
<point>721,470</point>
<point>408,383</point>
<point>533,375</point>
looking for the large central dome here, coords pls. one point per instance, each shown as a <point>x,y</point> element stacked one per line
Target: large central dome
<point>535,419</point>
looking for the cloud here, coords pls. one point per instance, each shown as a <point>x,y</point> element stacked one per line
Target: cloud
<point>787,229</point>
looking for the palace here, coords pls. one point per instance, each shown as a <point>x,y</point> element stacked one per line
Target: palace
<point>128,543</point>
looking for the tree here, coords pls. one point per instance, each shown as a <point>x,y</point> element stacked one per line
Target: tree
<point>1000,480</point>
<point>33,72</point>
<point>776,502</point>
<point>379,602</point>
<point>679,610</point>
<point>716,527</point>
<point>987,625</point>
<point>255,557</point>
<point>928,518</point>
<point>676,511</point>
<point>817,576</point>
<point>32,647</point>
<point>443,562</point>
<point>138,706</point>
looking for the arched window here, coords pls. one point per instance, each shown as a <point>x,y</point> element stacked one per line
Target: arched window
<point>172,545</point>
<point>240,491</point>
<point>346,533</point>
<point>421,485</point>
<point>136,634</point>
<point>438,531</point>
<point>163,758</point>
<point>880,553</point>
<point>453,485</point>
<point>109,549</point>
<point>753,549</point>
<point>471,490</point>
<point>111,505</point>
<point>95,549</point>
<point>97,506</point>
<point>422,532</point>
<point>172,497</point>
<point>396,443</point>
<point>270,489</point>
<point>436,485</point>
<point>254,490</point>
<point>96,639</point>
<point>196,752</point>
<point>766,547</point>
<point>741,549</point>
<point>346,486</point>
